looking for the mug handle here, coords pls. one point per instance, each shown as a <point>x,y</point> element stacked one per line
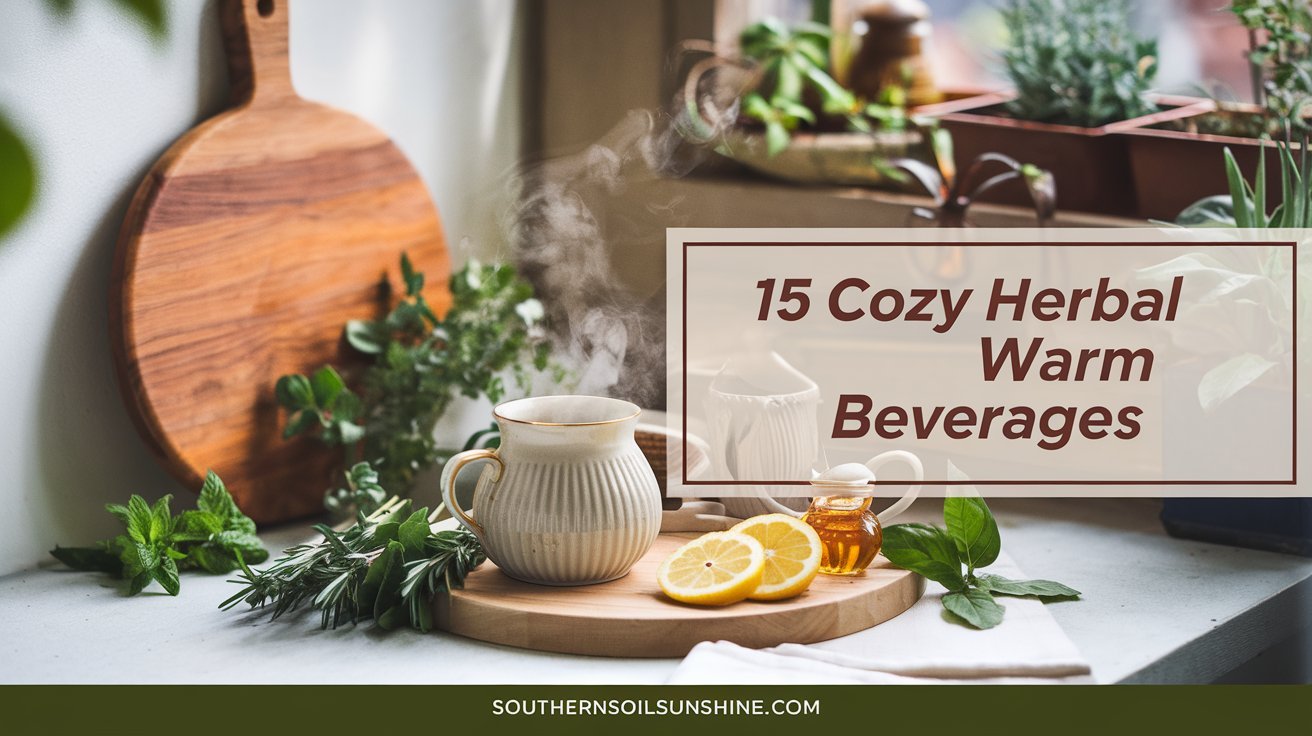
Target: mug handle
<point>448,484</point>
<point>879,461</point>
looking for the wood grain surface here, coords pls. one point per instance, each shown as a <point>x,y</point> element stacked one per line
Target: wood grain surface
<point>251,242</point>
<point>631,617</point>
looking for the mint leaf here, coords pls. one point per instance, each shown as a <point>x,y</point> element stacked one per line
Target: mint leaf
<point>214,497</point>
<point>200,523</point>
<point>166,574</point>
<point>119,511</point>
<point>138,582</point>
<point>213,559</point>
<point>1039,588</point>
<point>240,523</point>
<point>138,558</point>
<point>251,548</point>
<point>161,521</point>
<point>139,519</point>
<point>973,530</point>
<point>926,550</point>
<point>976,606</point>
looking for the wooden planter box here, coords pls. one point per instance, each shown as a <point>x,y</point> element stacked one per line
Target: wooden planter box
<point>1174,168</point>
<point>1091,165</point>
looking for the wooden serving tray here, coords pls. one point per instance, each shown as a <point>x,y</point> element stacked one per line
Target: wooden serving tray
<point>631,617</point>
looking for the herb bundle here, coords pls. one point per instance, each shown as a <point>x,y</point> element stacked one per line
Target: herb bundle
<point>420,364</point>
<point>970,539</point>
<point>386,566</point>
<point>156,545</point>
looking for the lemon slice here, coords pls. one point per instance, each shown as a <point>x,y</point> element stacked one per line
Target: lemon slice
<point>792,554</point>
<point>715,569</point>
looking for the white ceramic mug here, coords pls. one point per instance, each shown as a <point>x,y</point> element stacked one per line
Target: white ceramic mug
<point>569,498</point>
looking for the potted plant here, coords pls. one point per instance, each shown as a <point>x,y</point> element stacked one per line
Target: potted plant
<point>1174,162</point>
<point>1253,312</point>
<point>1079,75</point>
<point>775,108</point>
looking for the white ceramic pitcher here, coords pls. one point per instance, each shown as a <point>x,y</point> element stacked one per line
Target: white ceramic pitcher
<point>569,498</point>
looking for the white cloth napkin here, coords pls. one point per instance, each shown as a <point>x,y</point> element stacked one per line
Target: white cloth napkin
<point>918,647</point>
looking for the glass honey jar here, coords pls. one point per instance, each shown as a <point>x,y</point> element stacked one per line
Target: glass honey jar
<point>850,533</point>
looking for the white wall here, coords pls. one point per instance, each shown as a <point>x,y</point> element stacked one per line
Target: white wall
<point>100,102</point>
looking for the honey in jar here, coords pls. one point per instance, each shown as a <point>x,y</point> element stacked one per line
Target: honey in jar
<point>850,535</point>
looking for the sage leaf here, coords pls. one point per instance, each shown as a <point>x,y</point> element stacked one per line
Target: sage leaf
<point>976,607</point>
<point>926,550</point>
<point>389,593</point>
<point>414,532</point>
<point>1039,588</point>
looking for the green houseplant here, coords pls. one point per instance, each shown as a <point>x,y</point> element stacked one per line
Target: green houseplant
<point>1079,74</point>
<point>1174,162</point>
<point>776,108</point>
<point>1249,312</point>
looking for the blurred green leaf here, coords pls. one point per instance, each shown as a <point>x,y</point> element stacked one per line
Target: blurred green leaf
<point>17,177</point>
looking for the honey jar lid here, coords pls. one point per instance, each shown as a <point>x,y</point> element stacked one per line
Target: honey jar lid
<point>850,479</point>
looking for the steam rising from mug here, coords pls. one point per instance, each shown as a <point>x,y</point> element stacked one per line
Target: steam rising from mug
<point>575,216</point>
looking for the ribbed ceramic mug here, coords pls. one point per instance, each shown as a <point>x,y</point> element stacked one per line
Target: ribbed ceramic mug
<point>568,497</point>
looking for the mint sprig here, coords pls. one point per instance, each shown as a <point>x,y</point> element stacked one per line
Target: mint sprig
<point>156,545</point>
<point>950,557</point>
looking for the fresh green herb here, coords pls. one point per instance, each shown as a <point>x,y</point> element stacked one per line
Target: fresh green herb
<point>420,364</point>
<point>1281,59</point>
<point>387,567</point>
<point>1077,62</point>
<point>972,540</point>
<point>156,545</point>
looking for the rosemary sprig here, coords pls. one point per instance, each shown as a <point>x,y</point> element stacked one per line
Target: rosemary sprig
<point>386,566</point>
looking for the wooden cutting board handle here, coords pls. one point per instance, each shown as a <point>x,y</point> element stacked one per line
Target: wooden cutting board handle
<point>255,37</point>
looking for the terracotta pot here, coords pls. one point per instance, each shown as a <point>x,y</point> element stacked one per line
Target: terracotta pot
<point>1172,169</point>
<point>1091,165</point>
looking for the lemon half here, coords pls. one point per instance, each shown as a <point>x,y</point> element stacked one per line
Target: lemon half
<point>715,569</point>
<point>792,554</point>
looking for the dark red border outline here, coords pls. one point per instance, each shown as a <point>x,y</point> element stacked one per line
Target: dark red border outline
<point>1293,470</point>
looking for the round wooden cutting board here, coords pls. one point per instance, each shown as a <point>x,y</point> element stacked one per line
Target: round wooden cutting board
<point>247,248</point>
<point>631,617</point>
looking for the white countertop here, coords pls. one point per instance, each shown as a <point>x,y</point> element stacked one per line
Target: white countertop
<point>1155,609</point>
